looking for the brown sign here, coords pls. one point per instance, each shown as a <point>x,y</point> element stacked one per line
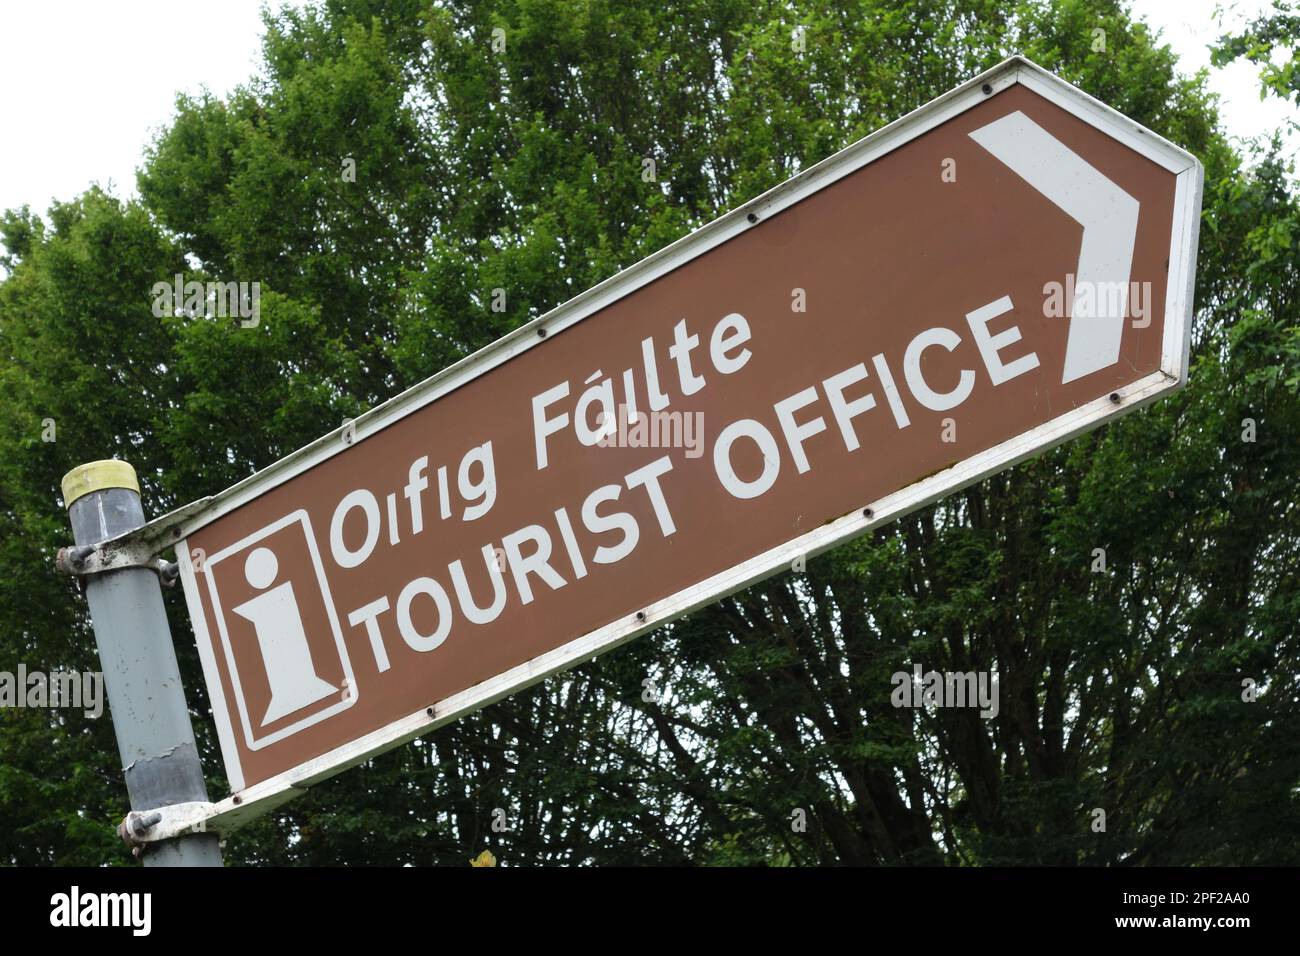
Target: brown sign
<point>1004,268</point>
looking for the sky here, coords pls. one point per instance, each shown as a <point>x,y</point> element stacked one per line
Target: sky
<point>88,82</point>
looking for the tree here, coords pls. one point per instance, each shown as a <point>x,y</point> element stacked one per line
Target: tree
<point>393,164</point>
<point>1261,42</point>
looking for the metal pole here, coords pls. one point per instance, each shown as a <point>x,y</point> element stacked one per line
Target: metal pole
<point>154,736</point>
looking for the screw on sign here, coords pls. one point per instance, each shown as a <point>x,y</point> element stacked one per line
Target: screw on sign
<point>677,433</point>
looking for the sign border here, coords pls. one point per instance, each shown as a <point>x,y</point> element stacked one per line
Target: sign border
<point>1171,376</point>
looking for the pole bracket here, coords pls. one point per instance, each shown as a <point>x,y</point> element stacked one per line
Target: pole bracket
<point>137,548</point>
<point>141,827</point>
<point>88,559</point>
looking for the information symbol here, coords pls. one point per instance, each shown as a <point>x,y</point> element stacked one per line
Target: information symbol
<point>282,639</point>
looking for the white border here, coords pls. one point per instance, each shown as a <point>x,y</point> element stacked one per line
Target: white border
<point>1172,375</point>
<point>211,676</point>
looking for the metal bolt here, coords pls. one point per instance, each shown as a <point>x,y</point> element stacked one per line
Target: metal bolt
<point>140,825</point>
<point>752,217</point>
<point>429,711</point>
<point>237,799</point>
<point>169,571</point>
<point>1114,397</point>
<point>867,513</point>
<point>640,615</point>
<point>541,333</point>
<point>71,560</point>
<point>987,88</point>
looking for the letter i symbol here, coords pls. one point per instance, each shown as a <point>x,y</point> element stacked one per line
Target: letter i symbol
<point>280,635</point>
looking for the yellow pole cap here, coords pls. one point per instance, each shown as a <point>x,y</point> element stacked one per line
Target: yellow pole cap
<point>96,476</point>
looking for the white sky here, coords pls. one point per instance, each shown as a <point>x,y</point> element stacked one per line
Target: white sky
<point>1190,26</point>
<point>87,81</point>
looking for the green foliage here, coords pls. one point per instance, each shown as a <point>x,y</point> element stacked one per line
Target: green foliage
<point>1262,43</point>
<point>522,169</point>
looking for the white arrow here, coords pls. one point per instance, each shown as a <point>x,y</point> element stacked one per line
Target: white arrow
<point>1109,218</point>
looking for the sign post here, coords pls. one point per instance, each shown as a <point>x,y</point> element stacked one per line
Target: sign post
<point>154,736</point>
<point>1005,268</point>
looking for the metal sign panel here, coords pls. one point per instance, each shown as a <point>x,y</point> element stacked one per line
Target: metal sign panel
<point>1002,269</point>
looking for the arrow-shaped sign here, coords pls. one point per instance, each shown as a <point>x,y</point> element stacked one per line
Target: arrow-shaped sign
<point>746,397</point>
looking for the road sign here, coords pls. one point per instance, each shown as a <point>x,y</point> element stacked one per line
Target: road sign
<point>1002,269</point>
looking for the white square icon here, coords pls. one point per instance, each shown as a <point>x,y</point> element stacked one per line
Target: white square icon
<point>285,666</point>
